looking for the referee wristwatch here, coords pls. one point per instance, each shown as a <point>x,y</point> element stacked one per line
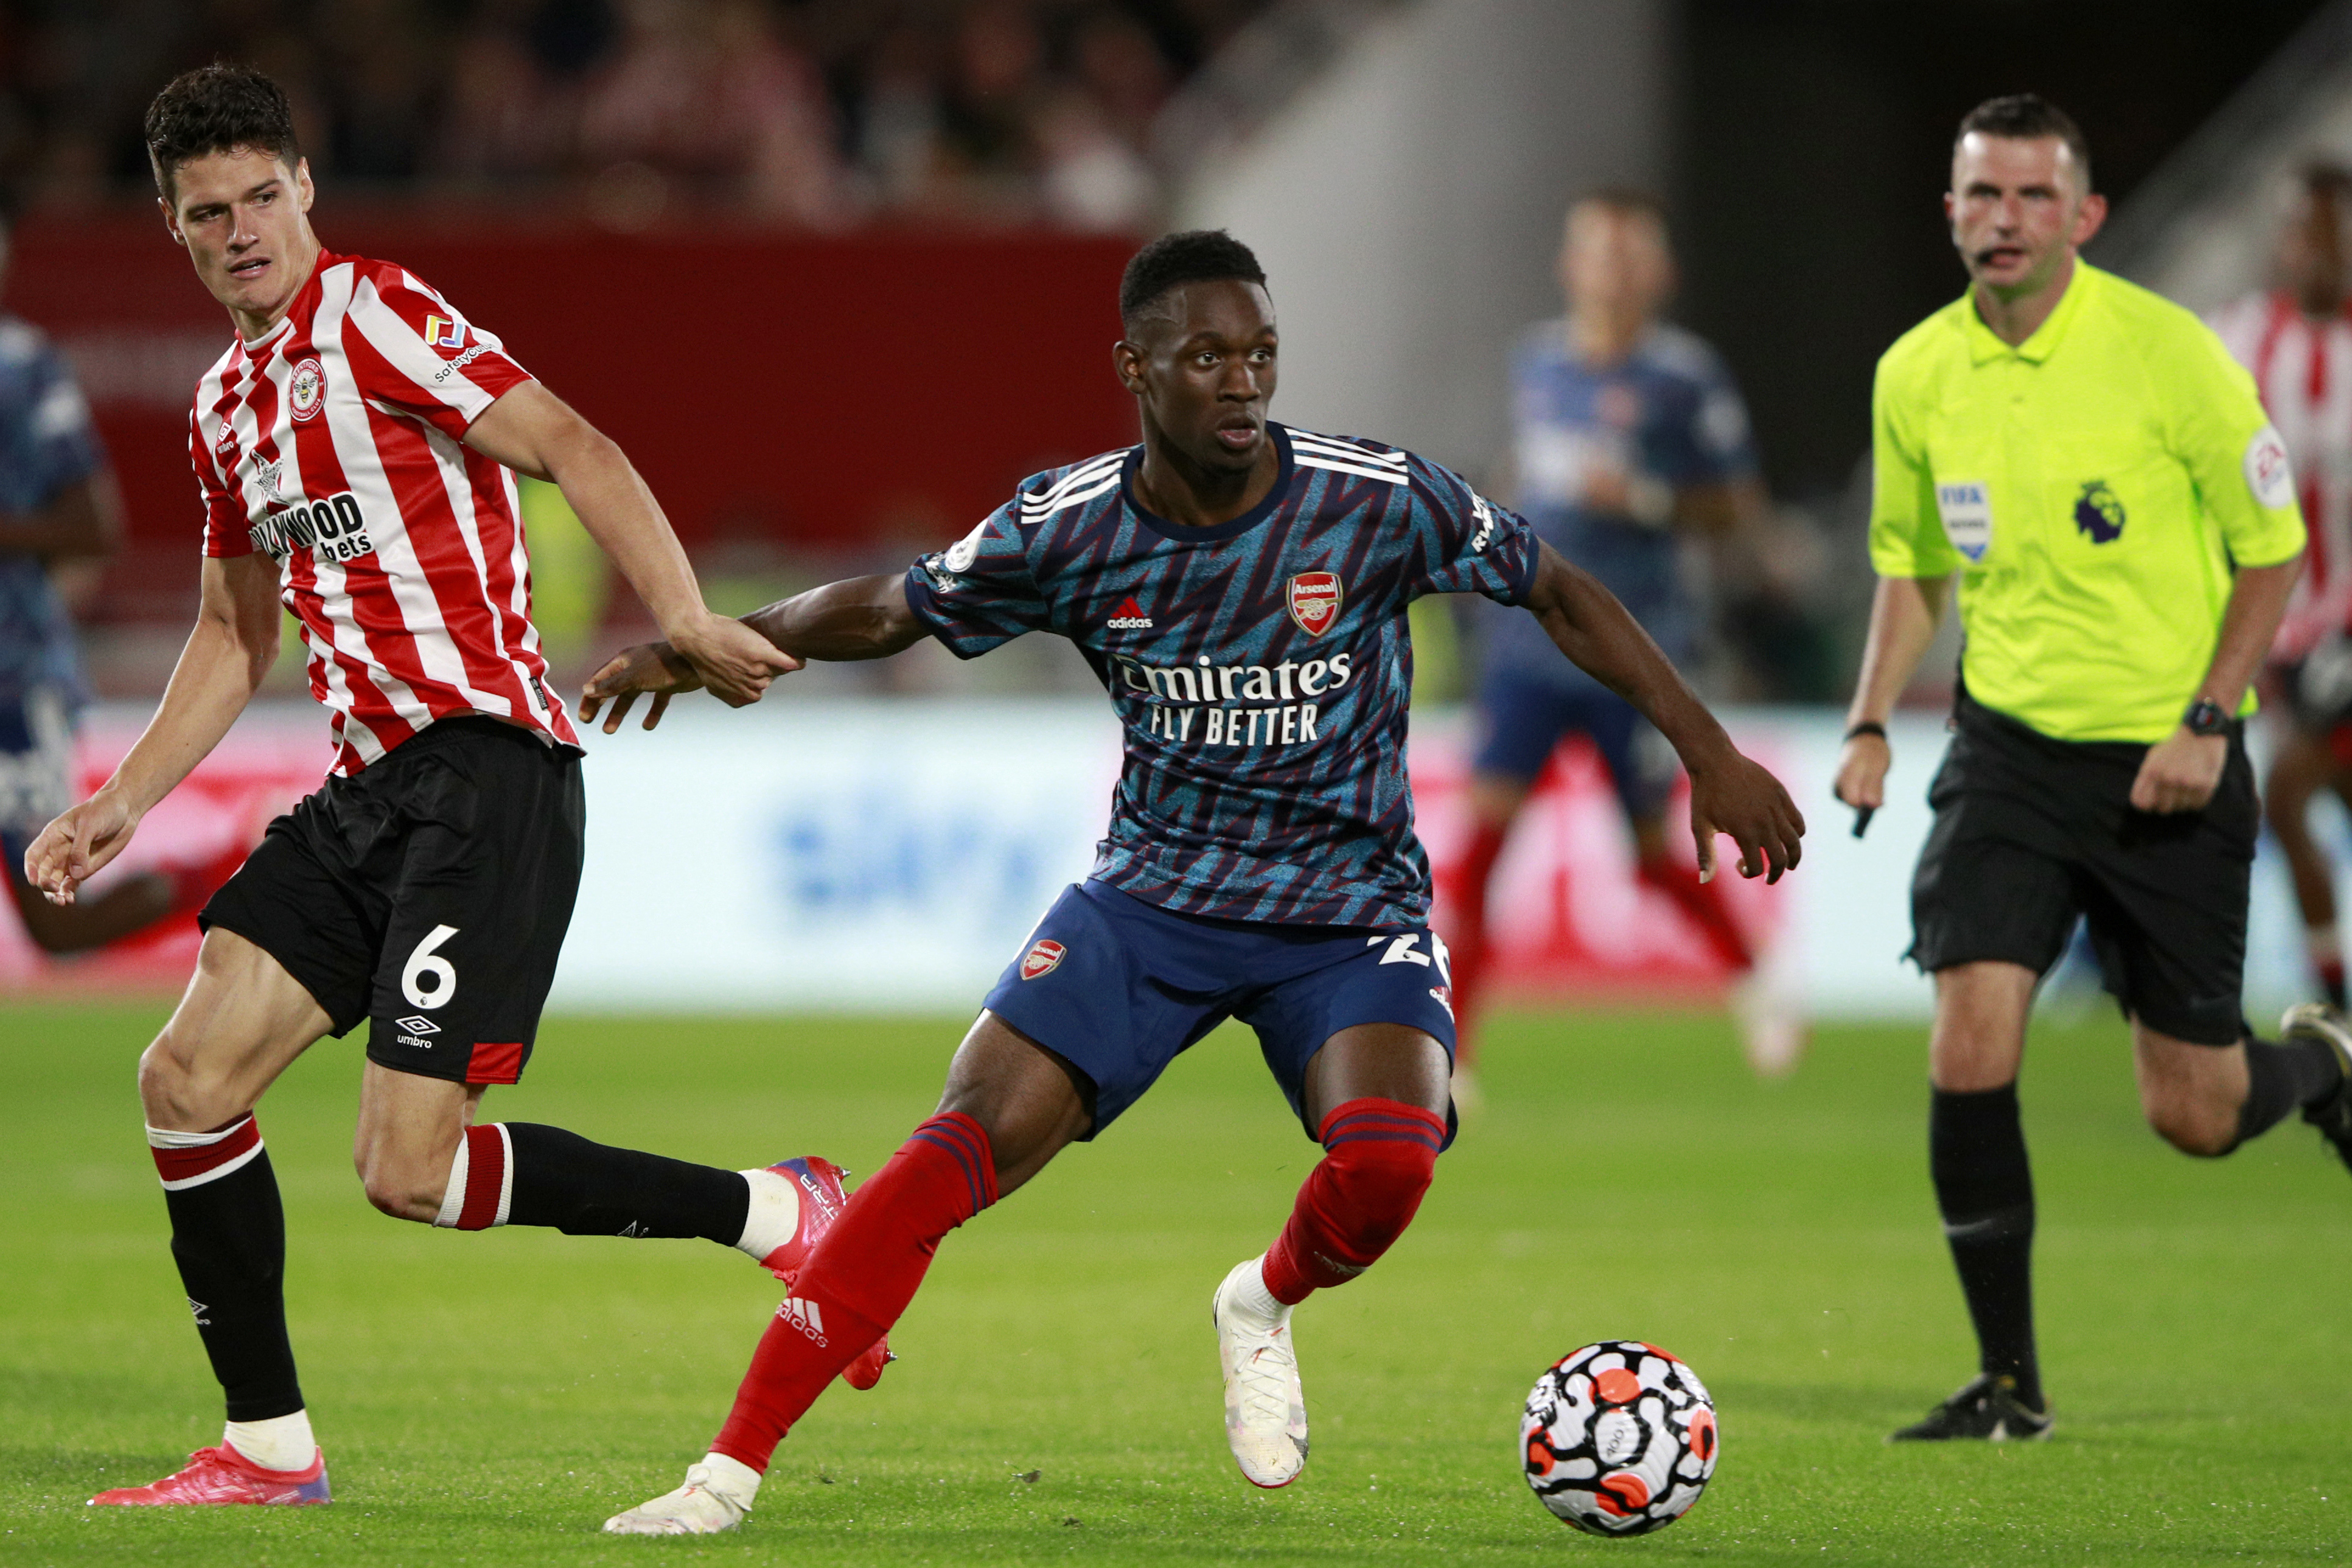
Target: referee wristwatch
<point>2206,716</point>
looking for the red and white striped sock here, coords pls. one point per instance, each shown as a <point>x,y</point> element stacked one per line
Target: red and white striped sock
<point>191,1159</point>
<point>481,1181</point>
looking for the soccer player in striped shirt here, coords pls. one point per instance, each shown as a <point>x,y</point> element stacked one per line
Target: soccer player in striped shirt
<point>2296,338</point>
<point>1240,588</point>
<point>356,448</point>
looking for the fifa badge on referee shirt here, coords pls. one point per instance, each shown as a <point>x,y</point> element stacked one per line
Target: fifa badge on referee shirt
<point>1967,511</point>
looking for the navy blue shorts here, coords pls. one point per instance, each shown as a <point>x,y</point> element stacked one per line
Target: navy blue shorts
<point>1522,717</point>
<point>1119,989</point>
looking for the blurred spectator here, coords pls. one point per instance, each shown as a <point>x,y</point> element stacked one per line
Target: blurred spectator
<point>810,112</point>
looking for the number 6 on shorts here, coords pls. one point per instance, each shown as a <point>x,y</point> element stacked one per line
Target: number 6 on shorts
<point>424,968</point>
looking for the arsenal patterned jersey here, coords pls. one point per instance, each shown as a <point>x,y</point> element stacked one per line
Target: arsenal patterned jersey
<point>1261,667</point>
<point>333,445</point>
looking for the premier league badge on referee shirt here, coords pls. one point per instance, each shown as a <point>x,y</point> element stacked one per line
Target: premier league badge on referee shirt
<point>1315,599</point>
<point>1967,511</point>
<point>2099,514</point>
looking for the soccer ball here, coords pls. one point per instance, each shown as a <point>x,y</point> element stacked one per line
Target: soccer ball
<point>1618,1439</point>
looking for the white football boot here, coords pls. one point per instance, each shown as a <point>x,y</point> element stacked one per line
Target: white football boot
<point>1266,1411</point>
<point>718,1493</point>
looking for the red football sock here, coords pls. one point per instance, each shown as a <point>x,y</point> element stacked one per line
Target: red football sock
<point>1379,1156</point>
<point>861,1276</point>
<point>1707,908</point>
<point>1470,876</point>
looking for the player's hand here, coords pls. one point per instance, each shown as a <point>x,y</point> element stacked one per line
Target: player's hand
<point>649,667</point>
<point>2180,772</point>
<point>77,844</point>
<point>1739,797</point>
<point>735,662</point>
<point>1861,775</point>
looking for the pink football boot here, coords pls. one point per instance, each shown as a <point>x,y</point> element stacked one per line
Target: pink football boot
<point>222,1475</point>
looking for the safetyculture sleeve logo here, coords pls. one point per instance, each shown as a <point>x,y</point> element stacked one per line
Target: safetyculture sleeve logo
<point>1314,598</point>
<point>2268,474</point>
<point>1043,954</point>
<point>1967,510</point>
<point>440,332</point>
<point>2099,514</point>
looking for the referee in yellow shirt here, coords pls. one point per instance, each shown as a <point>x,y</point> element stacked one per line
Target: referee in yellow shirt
<point>2088,461</point>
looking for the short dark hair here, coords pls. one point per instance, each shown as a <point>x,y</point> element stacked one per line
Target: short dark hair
<point>2027,117</point>
<point>1192,256</point>
<point>2322,178</point>
<point>1629,200</point>
<point>217,108</point>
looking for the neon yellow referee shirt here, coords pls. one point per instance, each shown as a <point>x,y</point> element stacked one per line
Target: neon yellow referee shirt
<point>2093,486</point>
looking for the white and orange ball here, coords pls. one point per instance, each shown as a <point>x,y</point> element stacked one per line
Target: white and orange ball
<point>1618,1439</point>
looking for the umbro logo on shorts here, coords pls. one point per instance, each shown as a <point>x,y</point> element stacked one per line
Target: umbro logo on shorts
<point>417,1023</point>
<point>1043,954</point>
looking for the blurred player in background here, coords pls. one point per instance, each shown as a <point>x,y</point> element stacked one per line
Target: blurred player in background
<point>1240,589</point>
<point>356,448</point>
<point>1630,440</point>
<point>58,505</point>
<point>2296,338</point>
<point>2083,457</point>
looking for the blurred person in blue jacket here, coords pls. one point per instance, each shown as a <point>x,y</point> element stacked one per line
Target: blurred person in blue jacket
<point>58,503</point>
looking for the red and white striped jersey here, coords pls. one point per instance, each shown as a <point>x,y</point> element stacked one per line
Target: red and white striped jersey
<point>2303,368</point>
<point>334,445</point>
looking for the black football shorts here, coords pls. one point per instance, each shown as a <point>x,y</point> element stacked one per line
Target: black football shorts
<point>428,894</point>
<point>2030,832</point>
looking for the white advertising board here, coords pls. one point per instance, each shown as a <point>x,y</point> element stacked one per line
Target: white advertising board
<point>890,855</point>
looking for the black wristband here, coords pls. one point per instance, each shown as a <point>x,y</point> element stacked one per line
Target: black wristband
<point>1867,726</point>
<point>2205,717</point>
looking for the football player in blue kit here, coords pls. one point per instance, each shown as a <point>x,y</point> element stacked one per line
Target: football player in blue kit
<point>1629,439</point>
<point>1240,587</point>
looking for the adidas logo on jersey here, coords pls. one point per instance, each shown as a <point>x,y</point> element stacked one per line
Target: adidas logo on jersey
<point>1130,617</point>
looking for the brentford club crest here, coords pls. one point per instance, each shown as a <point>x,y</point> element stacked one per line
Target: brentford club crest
<point>1315,599</point>
<point>1043,954</point>
<point>306,391</point>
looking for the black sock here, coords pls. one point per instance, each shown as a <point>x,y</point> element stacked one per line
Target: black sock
<point>229,1236</point>
<point>561,1179</point>
<point>2283,1078</point>
<point>1984,1191</point>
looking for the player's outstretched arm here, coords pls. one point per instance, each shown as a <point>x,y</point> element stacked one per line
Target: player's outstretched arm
<point>1729,794</point>
<point>233,645</point>
<point>533,432</point>
<point>1903,615</point>
<point>857,618</point>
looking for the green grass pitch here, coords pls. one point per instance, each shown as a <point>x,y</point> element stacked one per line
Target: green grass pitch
<point>488,1399</point>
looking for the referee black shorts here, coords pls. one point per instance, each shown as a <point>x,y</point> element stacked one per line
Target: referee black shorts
<point>2030,832</point>
<point>428,894</point>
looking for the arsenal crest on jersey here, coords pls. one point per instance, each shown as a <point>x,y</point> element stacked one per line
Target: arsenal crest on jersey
<point>306,390</point>
<point>1315,599</point>
<point>1043,954</point>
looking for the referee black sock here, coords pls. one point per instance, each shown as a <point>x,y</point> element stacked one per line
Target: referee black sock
<point>229,1236</point>
<point>561,1179</point>
<point>2283,1078</point>
<point>1984,1191</point>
